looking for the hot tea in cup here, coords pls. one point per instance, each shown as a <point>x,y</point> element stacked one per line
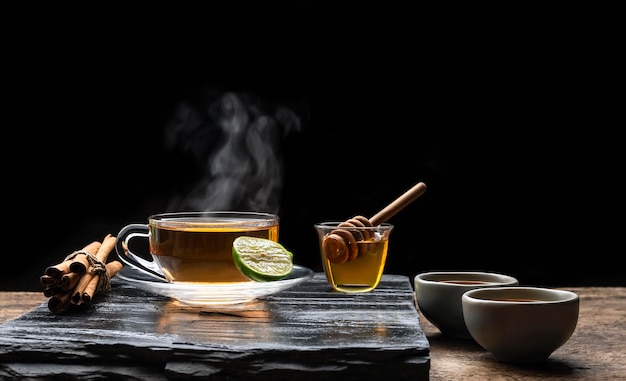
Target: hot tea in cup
<point>193,246</point>
<point>438,295</point>
<point>520,324</point>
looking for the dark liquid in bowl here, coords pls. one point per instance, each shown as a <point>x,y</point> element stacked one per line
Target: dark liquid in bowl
<point>516,300</point>
<point>464,281</point>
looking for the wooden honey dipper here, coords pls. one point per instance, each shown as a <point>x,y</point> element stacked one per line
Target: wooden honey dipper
<point>341,244</point>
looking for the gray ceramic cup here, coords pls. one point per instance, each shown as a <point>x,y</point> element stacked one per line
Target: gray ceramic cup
<point>438,295</point>
<point>521,324</point>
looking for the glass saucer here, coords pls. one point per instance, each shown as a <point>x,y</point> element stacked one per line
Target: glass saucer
<point>195,294</point>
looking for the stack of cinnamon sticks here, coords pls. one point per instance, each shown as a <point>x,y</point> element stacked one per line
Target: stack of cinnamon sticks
<point>81,275</point>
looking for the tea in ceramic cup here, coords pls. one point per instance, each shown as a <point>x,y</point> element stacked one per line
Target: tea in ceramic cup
<point>192,246</point>
<point>353,257</point>
<point>438,295</point>
<point>521,324</point>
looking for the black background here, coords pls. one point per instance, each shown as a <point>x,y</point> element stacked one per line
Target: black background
<point>512,117</point>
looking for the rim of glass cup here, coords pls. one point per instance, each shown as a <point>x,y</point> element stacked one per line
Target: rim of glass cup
<point>335,225</point>
<point>217,218</point>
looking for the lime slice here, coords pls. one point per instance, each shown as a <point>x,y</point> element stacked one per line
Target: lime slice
<point>261,259</point>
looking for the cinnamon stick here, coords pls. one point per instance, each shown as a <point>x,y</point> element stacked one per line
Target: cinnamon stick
<point>81,261</point>
<point>76,279</point>
<point>69,280</point>
<point>53,290</point>
<point>47,280</point>
<point>72,265</point>
<point>79,264</point>
<point>59,302</point>
<point>108,243</point>
<point>90,290</point>
<point>112,269</point>
<point>81,286</point>
<point>57,271</point>
<point>93,247</point>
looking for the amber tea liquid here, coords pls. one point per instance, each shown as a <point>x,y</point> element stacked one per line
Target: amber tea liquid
<point>362,273</point>
<point>201,253</point>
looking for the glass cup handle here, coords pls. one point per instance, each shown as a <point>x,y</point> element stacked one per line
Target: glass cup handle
<point>122,248</point>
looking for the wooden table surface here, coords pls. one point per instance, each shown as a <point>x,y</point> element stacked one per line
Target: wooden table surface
<point>596,350</point>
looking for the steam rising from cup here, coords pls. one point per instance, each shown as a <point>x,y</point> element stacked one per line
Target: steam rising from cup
<point>236,140</point>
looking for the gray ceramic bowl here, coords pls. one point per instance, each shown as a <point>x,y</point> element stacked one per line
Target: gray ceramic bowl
<point>520,324</point>
<point>438,296</point>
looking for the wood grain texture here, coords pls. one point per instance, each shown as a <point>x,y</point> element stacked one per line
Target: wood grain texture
<point>14,304</point>
<point>308,332</point>
<point>596,350</point>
